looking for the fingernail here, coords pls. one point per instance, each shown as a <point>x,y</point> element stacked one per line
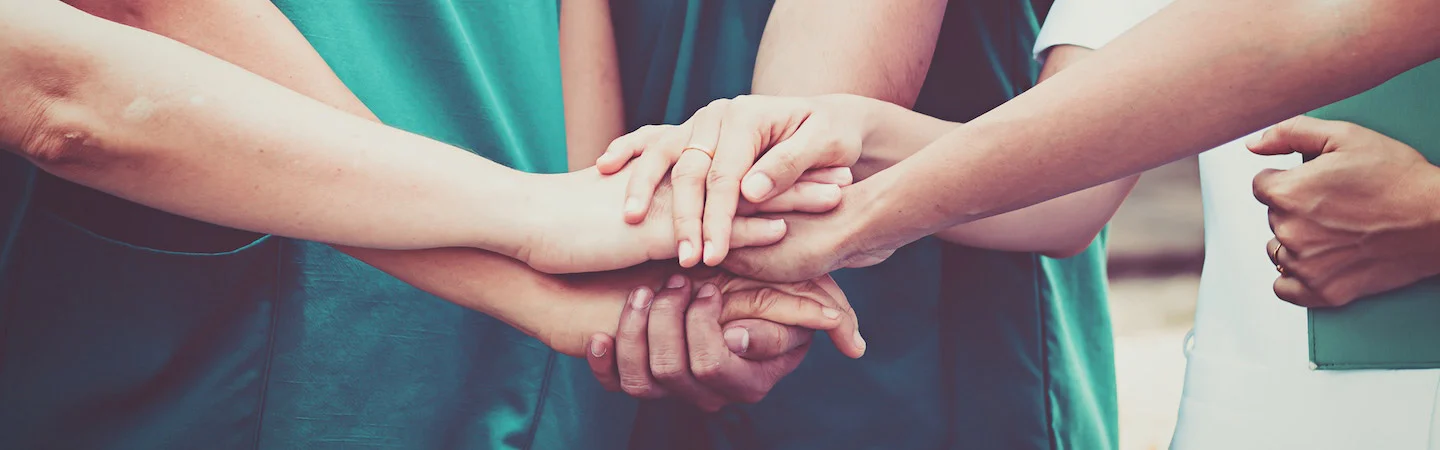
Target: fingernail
<point>676,282</point>
<point>778,225</point>
<point>706,291</point>
<point>687,250</point>
<point>596,349</point>
<point>831,313</point>
<point>757,185</point>
<point>830,191</point>
<point>859,341</point>
<point>1253,141</point>
<point>709,251</point>
<point>738,339</point>
<point>632,205</point>
<point>640,298</point>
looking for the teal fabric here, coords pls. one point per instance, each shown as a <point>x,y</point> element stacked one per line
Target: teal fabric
<point>290,344</point>
<point>1396,329</point>
<point>968,348</point>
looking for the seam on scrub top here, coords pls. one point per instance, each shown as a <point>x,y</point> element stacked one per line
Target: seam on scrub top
<point>1051,434</point>
<point>270,342</point>
<point>540,401</point>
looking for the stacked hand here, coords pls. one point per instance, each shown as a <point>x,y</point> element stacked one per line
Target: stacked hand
<point>748,155</point>
<point>1358,219</point>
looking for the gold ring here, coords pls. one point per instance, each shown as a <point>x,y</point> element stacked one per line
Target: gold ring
<point>1278,267</point>
<point>706,151</point>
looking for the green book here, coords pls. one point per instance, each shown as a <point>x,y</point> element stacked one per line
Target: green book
<point>1399,329</point>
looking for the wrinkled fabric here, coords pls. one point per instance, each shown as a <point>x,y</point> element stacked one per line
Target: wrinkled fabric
<point>290,344</point>
<point>968,348</point>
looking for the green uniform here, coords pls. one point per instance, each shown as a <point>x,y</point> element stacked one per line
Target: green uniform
<point>112,338</point>
<point>968,348</point>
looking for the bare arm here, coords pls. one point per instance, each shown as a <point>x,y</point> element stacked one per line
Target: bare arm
<point>590,71</point>
<point>1059,227</point>
<point>883,50</point>
<point>136,115</point>
<point>1197,74</point>
<point>880,50</point>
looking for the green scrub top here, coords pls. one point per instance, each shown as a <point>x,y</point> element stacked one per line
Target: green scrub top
<point>144,331</point>
<point>968,348</point>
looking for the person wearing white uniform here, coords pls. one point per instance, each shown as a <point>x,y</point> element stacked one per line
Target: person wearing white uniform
<point>1249,381</point>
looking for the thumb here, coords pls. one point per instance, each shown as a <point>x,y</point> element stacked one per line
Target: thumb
<point>760,340</point>
<point>1302,134</point>
<point>778,168</point>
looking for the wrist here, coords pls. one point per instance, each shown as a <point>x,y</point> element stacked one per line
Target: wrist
<point>874,227</point>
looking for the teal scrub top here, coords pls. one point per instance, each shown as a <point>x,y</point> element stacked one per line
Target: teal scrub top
<point>968,348</point>
<point>139,329</point>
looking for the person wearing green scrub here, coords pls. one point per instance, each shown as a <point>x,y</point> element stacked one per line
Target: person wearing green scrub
<point>146,331</point>
<point>968,348</point>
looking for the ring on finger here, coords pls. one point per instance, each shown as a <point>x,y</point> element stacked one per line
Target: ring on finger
<point>707,151</point>
<point>1276,257</point>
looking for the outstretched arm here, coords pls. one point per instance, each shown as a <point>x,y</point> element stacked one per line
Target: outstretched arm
<point>1197,74</point>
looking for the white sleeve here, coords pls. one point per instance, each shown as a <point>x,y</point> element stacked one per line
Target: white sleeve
<point>1091,23</point>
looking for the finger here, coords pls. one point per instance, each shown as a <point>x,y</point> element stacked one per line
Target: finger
<point>787,160</point>
<point>711,360</point>
<point>1301,134</point>
<point>776,305</point>
<point>802,197</point>
<point>756,231</point>
<point>602,361</point>
<point>854,343</point>
<point>759,340</point>
<point>840,176</point>
<point>669,353</point>
<point>632,349</point>
<point>622,149</point>
<point>1292,290</point>
<point>1272,250</point>
<point>734,153</point>
<point>687,180</point>
<point>1264,185</point>
<point>650,168</point>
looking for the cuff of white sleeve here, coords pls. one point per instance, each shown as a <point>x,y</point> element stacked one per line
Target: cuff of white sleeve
<point>1091,23</point>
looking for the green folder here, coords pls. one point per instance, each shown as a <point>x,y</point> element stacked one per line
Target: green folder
<point>1399,329</point>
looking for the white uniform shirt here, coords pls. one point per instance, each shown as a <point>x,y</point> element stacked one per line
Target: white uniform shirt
<point>1249,382</point>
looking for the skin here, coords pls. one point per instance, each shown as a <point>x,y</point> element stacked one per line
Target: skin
<point>1359,219</point>
<point>590,73</point>
<point>61,71</point>
<point>1195,75</point>
<point>135,114</point>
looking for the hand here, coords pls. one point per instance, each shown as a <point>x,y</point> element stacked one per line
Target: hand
<point>1357,220</point>
<point>798,137</point>
<point>577,228</point>
<point>672,347</point>
<point>817,244</point>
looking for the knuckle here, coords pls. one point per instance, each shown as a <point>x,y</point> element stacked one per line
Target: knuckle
<point>706,367</point>
<point>716,179</point>
<point>666,369</point>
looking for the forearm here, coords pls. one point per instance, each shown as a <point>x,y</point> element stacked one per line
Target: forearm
<point>1197,74</point>
<point>880,50</point>
<point>153,121</point>
<point>477,279</point>
<point>1059,227</point>
<point>590,73</point>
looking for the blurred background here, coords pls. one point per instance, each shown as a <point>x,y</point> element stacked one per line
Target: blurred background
<point>1156,250</point>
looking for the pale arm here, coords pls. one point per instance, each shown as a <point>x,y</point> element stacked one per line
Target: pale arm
<point>1059,227</point>
<point>590,71</point>
<point>138,115</point>
<point>1197,74</point>
<point>883,50</point>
